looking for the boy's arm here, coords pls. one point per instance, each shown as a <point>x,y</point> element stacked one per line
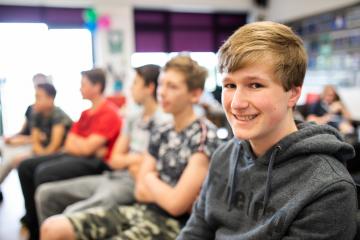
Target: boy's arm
<point>36,141</point>
<point>57,135</point>
<point>120,157</point>
<point>142,192</point>
<point>81,146</point>
<point>331,216</point>
<point>196,227</point>
<point>179,199</point>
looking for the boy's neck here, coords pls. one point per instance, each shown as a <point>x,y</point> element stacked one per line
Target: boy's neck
<point>96,102</point>
<point>150,107</point>
<point>260,146</point>
<point>184,118</point>
<point>49,111</point>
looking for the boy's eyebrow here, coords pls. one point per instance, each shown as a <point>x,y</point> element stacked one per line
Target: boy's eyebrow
<point>247,78</point>
<point>224,79</point>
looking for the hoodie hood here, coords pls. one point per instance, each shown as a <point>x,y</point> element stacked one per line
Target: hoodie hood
<point>309,139</point>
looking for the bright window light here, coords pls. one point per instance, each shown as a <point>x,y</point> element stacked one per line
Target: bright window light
<point>70,51</point>
<point>206,59</point>
<point>27,49</point>
<point>140,59</point>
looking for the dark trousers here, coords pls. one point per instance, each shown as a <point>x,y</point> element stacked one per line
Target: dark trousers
<point>37,170</point>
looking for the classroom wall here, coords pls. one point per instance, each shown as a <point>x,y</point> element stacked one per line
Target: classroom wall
<point>283,11</point>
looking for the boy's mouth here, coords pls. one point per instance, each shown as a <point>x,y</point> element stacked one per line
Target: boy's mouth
<point>245,118</point>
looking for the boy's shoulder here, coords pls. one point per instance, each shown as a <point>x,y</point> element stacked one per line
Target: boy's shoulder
<point>210,125</point>
<point>224,152</point>
<point>228,146</point>
<point>327,169</point>
<point>161,129</point>
<point>161,118</point>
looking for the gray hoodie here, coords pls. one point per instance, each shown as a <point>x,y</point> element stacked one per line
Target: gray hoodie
<point>299,189</point>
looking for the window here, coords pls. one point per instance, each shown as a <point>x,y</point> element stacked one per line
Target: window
<point>27,49</point>
<point>205,59</point>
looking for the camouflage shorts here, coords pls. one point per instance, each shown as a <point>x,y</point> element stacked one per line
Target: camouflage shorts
<point>134,222</point>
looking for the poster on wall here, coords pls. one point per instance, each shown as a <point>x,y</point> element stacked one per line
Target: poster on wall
<point>115,41</point>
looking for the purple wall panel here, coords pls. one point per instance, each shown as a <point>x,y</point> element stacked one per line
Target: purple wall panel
<point>226,20</point>
<point>149,17</point>
<point>20,14</point>
<point>174,31</point>
<point>198,41</point>
<point>63,16</point>
<point>149,42</point>
<point>191,19</point>
<point>54,17</point>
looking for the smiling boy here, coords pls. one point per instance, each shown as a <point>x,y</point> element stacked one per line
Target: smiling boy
<point>277,179</point>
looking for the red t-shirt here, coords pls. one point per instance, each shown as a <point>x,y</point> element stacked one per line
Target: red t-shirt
<point>105,121</point>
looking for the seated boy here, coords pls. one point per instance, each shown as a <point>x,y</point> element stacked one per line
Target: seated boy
<point>49,126</point>
<point>20,143</point>
<point>277,179</point>
<point>111,188</point>
<point>170,176</point>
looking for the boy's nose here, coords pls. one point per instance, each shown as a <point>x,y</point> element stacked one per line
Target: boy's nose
<point>160,93</point>
<point>239,100</point>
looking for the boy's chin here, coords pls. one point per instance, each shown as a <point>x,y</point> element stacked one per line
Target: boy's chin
<point>240,135</point>
<point>167,111</point>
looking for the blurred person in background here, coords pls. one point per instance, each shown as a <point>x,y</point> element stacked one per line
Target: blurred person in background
<point>329,109</point>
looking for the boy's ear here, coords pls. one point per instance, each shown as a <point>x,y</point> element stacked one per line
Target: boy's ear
<point>196,95</point>
<point>151,88</point>
<point>98,86</point>
<point>295,93</point>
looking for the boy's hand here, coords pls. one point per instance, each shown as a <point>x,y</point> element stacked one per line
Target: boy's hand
<point>100,153</point>
<point>142,194</point>
<point>335,107</point>
<point>134,170</point>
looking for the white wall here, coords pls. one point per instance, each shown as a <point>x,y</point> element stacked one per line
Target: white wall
<point>287,10</point>
<point>121,19</point>
<point>351,99</point>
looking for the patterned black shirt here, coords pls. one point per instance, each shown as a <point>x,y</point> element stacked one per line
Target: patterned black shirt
<point>172,149</point>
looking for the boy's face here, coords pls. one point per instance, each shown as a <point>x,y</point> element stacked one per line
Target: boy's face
<point>173,92</point>
<point>256,105</point>
<point>139,91</point>
<point>88,89</point>
<point>329,95</point>
<point>43,102</point>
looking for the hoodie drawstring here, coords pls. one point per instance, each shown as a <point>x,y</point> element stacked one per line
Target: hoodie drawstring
<point>231,183</point>
<point>269,178</point>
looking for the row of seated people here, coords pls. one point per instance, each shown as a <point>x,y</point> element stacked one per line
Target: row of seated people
<point>94,170</point>
<point>277,178</point>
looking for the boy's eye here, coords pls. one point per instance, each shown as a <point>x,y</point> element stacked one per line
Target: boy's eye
<point>229,85</point>
<point>172,86</point>
<point>256,85</point>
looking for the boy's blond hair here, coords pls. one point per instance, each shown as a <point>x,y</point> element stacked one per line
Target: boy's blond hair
<point>195,75</point>
<point>260,40</point>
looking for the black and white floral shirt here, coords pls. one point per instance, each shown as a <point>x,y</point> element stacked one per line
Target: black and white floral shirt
<point>172,149</point>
